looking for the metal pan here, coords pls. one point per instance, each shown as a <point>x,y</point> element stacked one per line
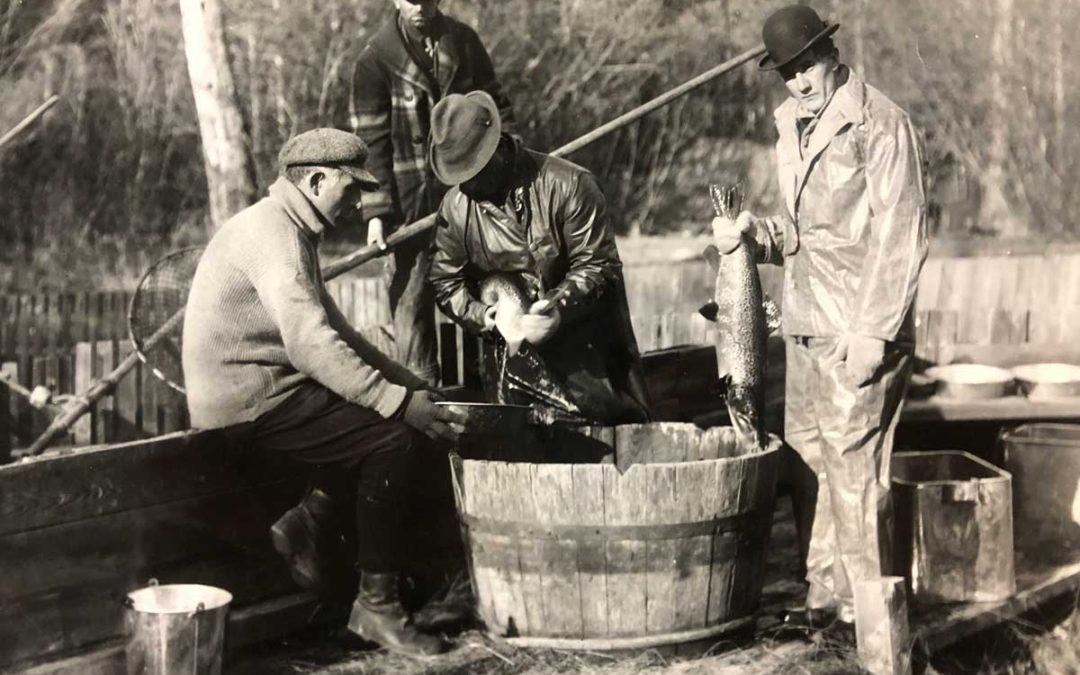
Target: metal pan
<point>491,418</point>
<point>970,381</point>
<point>1048,380</point>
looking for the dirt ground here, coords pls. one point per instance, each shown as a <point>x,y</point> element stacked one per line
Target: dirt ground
<point>1046,640</point>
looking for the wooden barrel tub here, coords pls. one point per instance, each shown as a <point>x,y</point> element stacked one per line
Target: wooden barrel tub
<point>581,556</point>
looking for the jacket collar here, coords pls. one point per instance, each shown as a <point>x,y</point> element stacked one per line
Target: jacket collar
<point>299,209</point>
<point>390,43</point>
<point>844,109</point>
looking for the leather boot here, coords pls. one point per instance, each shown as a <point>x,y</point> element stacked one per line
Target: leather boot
<point>300,536</point>
<point>377,615</point>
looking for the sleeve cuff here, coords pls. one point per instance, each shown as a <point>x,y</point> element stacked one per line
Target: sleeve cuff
<point>391,400</point>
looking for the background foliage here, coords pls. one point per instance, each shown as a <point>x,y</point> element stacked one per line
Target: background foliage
<point>112,177</point>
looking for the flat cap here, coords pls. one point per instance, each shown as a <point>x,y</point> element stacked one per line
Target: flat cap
<point>329,147</point>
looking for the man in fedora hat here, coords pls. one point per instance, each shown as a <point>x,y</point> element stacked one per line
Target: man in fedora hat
<point>416,58</point>
<point>541,219</point>
<point>270,359</point>
<point>852,241</point>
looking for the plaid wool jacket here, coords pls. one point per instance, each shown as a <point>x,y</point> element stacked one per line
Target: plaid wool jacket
<point>392,98</point>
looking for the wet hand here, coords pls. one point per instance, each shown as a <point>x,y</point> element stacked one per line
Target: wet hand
<point>375,234</point>
<point>541,323</point>
<point>489,318</point>
<point>727,233</point>
<point>435,422</point>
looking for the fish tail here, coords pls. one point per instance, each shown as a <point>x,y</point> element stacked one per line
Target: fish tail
<point>513,346</point>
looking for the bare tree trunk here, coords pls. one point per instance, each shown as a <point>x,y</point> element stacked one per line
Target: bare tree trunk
<point>230,169</point>
<point>858,37</point>
<point>995,212</point>
<point>1061,127</point>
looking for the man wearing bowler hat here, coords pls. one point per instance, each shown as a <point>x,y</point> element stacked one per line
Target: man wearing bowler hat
<point>541,219</point>
<point>852,241</point>
<point>270,359</point>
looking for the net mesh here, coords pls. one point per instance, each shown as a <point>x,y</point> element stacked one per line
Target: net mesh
<point>156,315</point>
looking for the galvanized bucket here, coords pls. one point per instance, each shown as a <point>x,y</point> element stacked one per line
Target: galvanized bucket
<point>175,629</point>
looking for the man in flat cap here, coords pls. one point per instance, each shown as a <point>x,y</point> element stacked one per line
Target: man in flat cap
<point>540,219</point>
<point>415,59</point>
<point>852,241</point>
<point>270,358</point>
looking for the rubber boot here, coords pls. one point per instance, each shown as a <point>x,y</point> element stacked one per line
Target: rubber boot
<point>300,536</point>
<point>377,616</point>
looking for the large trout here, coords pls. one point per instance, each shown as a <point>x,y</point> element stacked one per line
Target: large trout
<point>523,376</point>
<point>741,329</point>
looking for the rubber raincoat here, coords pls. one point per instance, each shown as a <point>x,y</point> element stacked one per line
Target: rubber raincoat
<point>852,243</point>
<point>553,230</point>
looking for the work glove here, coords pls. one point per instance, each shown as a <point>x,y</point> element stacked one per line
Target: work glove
<point>727,233</point>
<point>489,319</point>
<point>433,421</point>
<point>375,233</point>
<point>540,324</point>
<point>861,355</point>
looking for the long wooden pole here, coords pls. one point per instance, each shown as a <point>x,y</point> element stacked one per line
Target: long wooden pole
<point>103,387</point>
<point>28,120</point>
<point>368,253</point>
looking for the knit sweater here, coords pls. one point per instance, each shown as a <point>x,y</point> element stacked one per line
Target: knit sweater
<point>259,321</point>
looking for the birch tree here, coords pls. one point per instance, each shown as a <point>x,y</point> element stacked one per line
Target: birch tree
<point>995,212</point>
<point>230,169</point>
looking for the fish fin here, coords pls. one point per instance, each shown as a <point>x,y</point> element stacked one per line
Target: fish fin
<point>712,256</point>
<point>774,320</point>
<point>720,387</point>
<point>709,310</point>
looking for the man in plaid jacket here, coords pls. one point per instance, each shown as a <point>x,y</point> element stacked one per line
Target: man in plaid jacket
<point>415,59</point>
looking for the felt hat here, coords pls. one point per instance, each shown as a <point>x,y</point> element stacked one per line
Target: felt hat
<point>465,130</point>
<point>790,31</point>
<point>331,148</point>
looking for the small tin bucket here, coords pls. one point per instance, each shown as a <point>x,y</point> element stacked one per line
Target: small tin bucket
<point>175,629</point>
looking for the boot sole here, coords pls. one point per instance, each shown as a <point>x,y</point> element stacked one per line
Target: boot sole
<point>356,629</point>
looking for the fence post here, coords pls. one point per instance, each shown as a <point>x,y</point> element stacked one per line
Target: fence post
<point>83,429</point>
<point>7,428</point>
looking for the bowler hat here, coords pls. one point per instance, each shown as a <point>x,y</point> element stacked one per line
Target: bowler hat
<point>465,130</point>
<point>332,148</point>
<point>789,32</point>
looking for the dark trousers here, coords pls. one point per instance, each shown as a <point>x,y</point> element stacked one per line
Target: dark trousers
<point>358,453</point>
<point>412,306</point>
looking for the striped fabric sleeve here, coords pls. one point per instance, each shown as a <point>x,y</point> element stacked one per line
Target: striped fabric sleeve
<point>370,106</point>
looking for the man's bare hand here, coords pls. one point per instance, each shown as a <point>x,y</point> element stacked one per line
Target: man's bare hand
<point>435,422</point>
<point>541,323</point>
<point>727,233</point>
<point>375,234</point>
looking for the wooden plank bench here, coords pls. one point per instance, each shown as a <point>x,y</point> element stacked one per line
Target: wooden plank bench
<point>79,530</point>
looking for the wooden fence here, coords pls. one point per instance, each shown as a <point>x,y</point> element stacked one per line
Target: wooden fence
<point>1028,303</point>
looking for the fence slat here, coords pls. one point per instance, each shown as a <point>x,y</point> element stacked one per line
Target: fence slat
<point>149,400</point>
<point>128,424</point>
<point>83,429</point>
<point>7,428</point>
<point>105,414</point>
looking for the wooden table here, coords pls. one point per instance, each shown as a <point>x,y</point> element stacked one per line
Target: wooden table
<point>1004,409</point>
